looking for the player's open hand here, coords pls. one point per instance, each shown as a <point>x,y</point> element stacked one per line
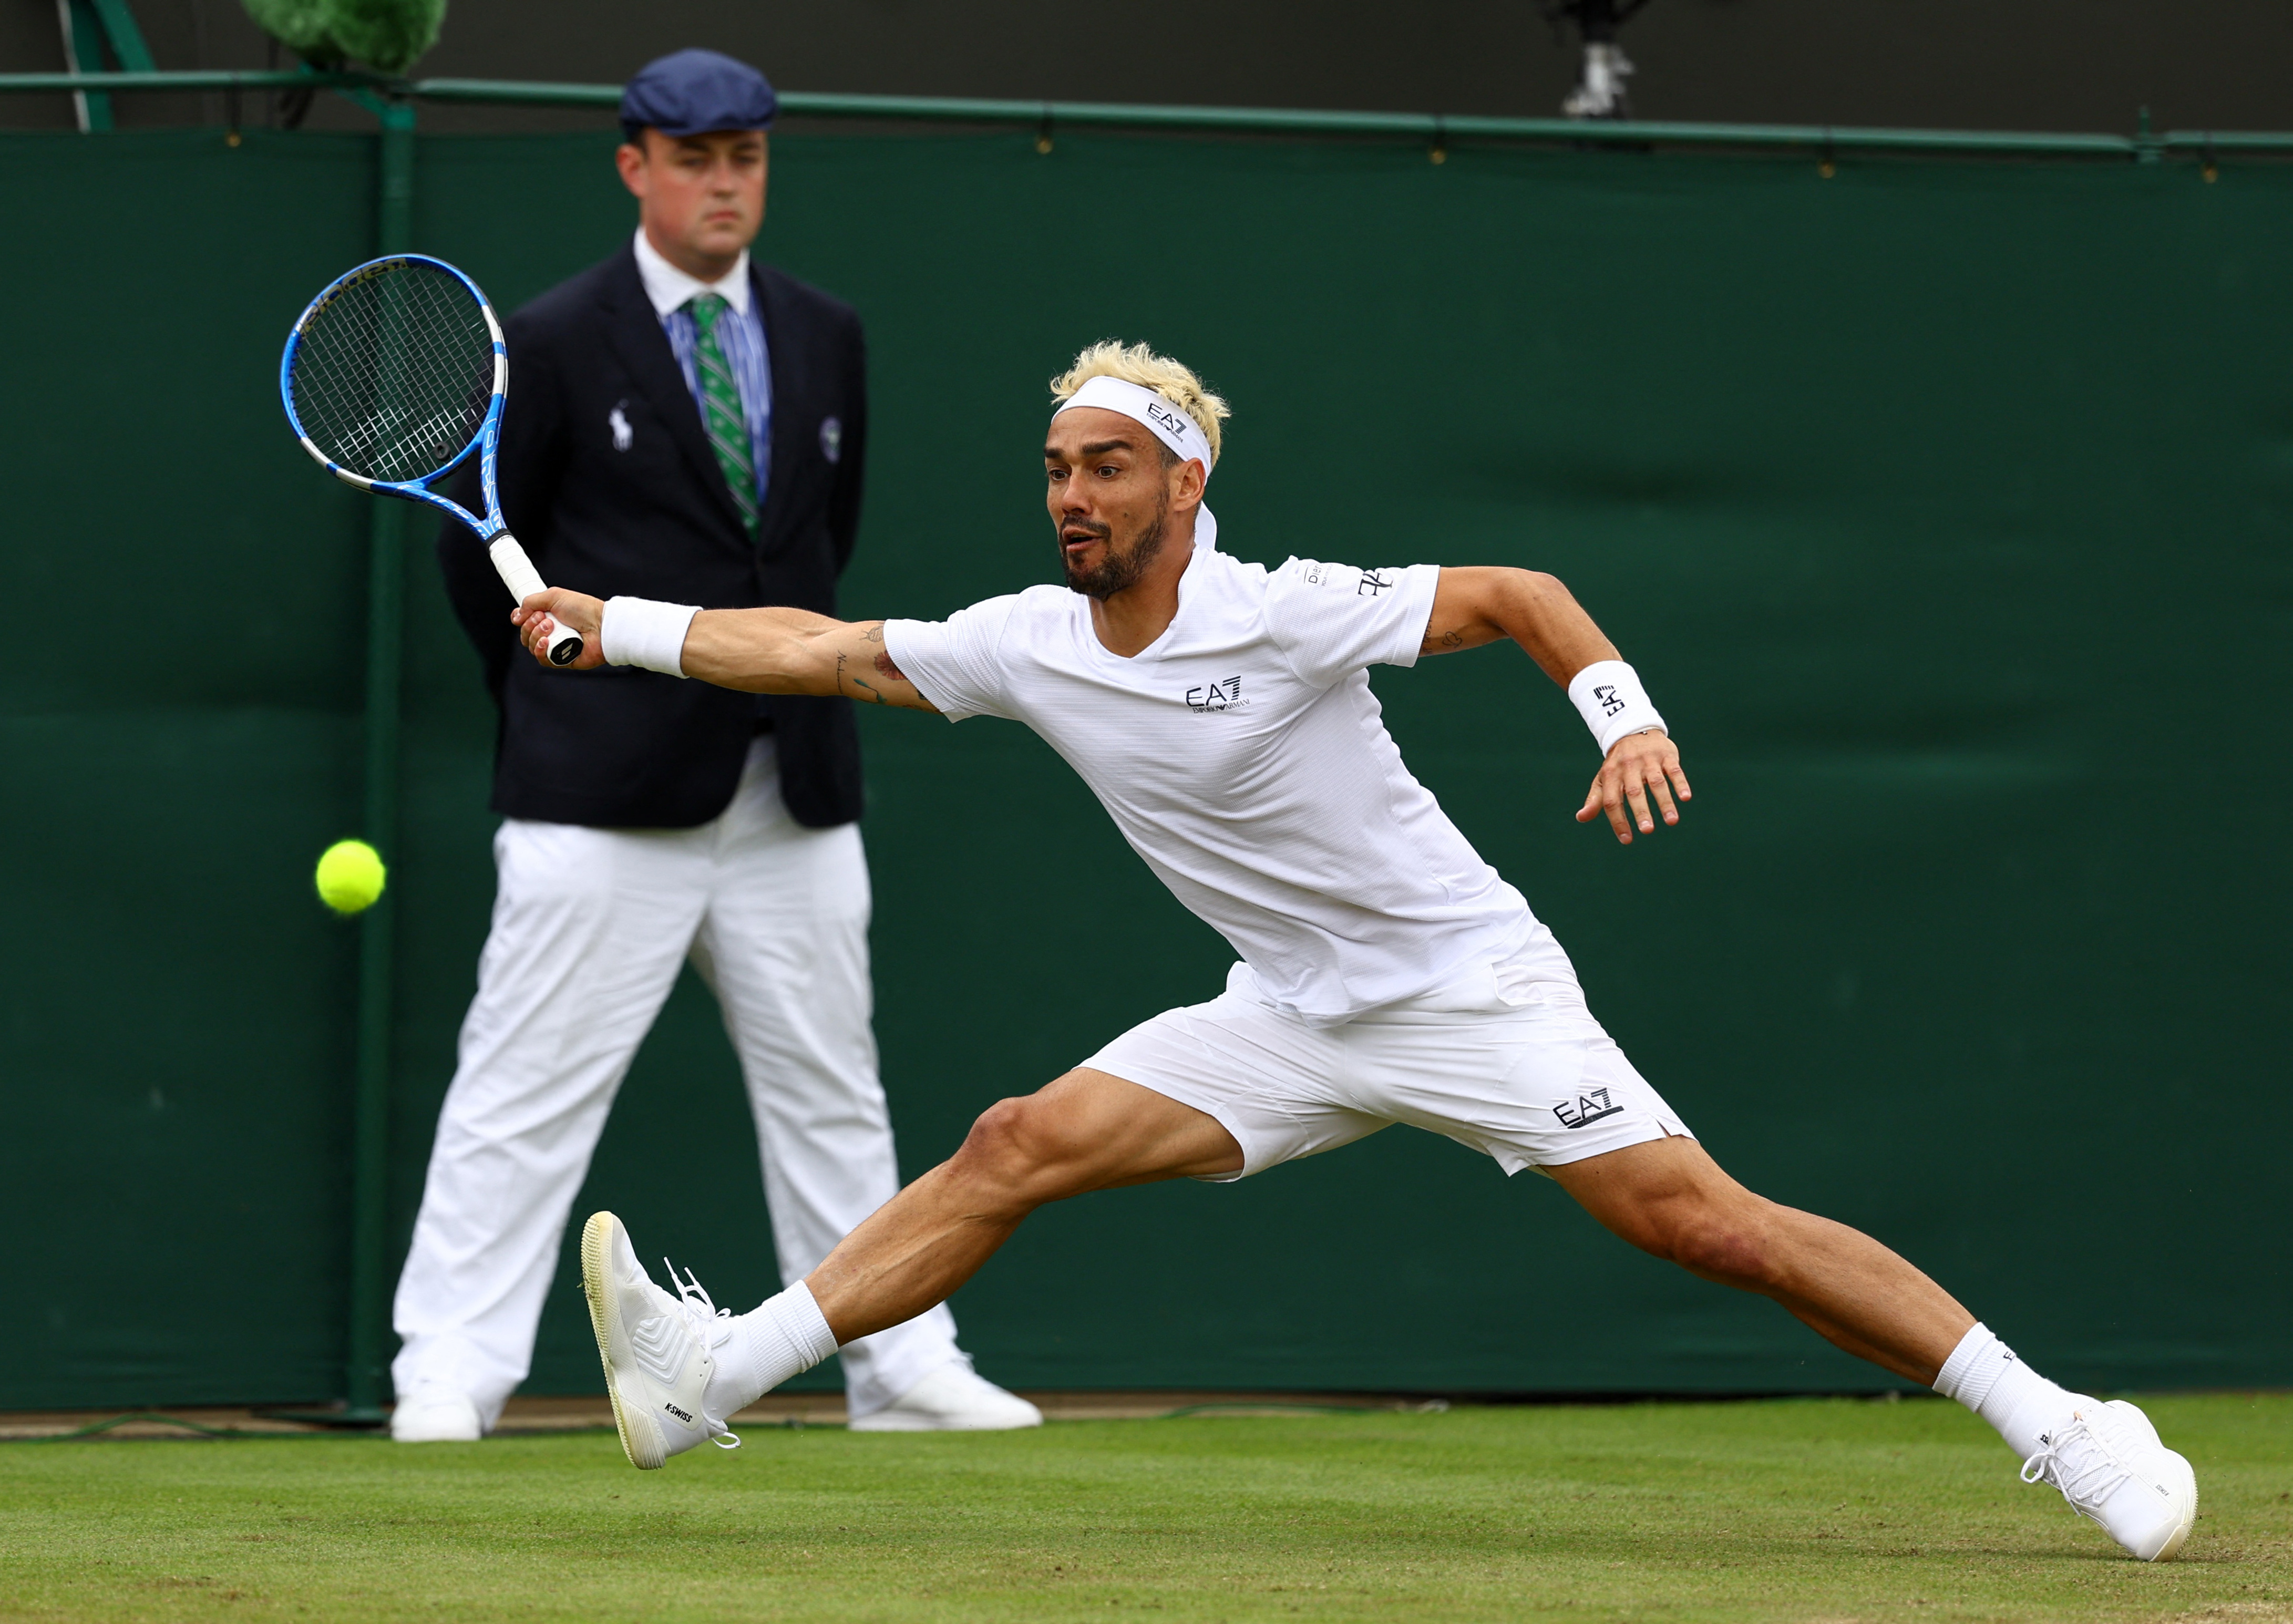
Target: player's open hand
<point>542,613</point>
<point>1642,768</point>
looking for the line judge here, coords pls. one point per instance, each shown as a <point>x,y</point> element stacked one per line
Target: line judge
<point>685,426</point>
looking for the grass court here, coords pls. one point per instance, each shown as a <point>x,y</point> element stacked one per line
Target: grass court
<point>1786,1510</point>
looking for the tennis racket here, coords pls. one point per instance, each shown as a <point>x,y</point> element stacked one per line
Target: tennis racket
<point>391,377</point>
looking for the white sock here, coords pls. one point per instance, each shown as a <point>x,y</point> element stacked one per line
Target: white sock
<point>1984,1374</point>
<point>783,1335</point>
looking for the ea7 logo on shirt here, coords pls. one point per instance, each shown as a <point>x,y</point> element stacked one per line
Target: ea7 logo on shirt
<point>1223,695</point>
<point>1372,582</point>
<point>1604,696</point>
<point>1589,1106</point>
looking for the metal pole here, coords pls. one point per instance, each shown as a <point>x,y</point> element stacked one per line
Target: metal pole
<point>367,1387</point>
<point>1813,139</point>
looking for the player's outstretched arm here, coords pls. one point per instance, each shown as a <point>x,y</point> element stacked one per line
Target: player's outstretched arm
<point>758,650</point>
<point>1476,606</point>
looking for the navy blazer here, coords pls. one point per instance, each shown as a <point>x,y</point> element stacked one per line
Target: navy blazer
<point>608,480</point>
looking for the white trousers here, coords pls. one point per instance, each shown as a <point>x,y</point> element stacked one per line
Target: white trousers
<point>589,928</point>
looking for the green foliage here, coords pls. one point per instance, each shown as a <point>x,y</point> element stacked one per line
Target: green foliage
<point>1721,1514</point>
<point>384,34</point>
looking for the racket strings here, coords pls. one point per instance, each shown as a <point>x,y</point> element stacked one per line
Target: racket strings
<point>393,375</point>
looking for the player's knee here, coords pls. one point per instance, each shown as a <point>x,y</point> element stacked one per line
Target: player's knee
<point>1720,1244</point>
<point>1016,1148</point>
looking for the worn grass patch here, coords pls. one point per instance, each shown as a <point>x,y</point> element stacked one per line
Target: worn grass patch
<point>1815,1509</point>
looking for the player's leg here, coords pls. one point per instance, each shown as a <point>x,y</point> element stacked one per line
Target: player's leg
<point>1087,1131</point>
<point>676,1372</point>
<point>589,928</point>
<point>784,946</point>
<point>1515,1065</point>
<point>1670,1199</point>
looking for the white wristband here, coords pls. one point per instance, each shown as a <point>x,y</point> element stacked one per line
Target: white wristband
<point>640,631</point>
<point>1608,695</point>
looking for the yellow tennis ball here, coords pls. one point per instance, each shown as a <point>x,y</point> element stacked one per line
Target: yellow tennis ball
<point>350,876</point>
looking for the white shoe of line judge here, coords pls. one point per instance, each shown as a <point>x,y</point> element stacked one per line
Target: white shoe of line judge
<point>670,1390</point>
<point>432,1414</point>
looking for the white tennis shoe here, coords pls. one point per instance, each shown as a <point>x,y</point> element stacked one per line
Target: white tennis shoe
<point>659,1350</point>
<point>432,1414</point>
<point>2107,1462</point>
<point>952,1399</point>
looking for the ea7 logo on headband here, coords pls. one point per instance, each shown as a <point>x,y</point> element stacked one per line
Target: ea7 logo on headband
<point>1175,422</point>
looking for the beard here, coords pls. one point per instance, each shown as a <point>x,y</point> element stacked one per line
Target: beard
<point>1119,570</point>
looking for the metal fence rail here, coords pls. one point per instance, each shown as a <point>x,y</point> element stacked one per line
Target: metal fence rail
<point>1432,127</point>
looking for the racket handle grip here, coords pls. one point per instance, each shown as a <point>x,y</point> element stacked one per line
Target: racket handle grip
<point>523,580</point>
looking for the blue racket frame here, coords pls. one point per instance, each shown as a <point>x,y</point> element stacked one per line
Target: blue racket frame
<point>485,442</point>
<point>509,559</point>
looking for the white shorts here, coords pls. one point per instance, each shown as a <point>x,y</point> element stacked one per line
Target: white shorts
<point>1526,1076</point>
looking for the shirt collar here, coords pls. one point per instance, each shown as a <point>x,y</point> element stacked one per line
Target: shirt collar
<point>669,288</point>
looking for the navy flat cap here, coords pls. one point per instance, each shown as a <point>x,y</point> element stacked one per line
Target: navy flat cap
<point>690,92</point>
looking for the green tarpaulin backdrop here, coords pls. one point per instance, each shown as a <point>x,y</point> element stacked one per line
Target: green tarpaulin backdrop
<point>1941,505</point>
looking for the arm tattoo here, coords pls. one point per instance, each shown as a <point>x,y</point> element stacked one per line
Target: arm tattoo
<point>867,690</point>
<point>863,688</point>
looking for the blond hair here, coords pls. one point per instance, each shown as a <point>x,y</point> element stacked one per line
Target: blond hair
<point>1136,363</point>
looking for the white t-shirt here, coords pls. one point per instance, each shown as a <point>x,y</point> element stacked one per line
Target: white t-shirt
<point>1243,756</point>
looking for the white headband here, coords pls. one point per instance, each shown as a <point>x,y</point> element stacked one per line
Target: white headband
<point>1172,425</point>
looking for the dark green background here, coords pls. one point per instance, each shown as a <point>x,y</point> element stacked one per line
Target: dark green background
<point>1941,506</point>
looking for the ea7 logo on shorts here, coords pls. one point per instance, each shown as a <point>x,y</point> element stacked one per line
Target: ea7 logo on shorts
<point>1225,695</point>
<point>1589,1106</point>
<point>1604,696</point>
<point>679,1414</point>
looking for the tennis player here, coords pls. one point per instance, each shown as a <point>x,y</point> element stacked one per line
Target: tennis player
<point>1222,714</point>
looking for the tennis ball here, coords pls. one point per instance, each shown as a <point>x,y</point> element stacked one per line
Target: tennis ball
<point>350,876</point>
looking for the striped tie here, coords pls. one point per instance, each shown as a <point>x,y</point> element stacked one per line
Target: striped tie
<point>720,408</point>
